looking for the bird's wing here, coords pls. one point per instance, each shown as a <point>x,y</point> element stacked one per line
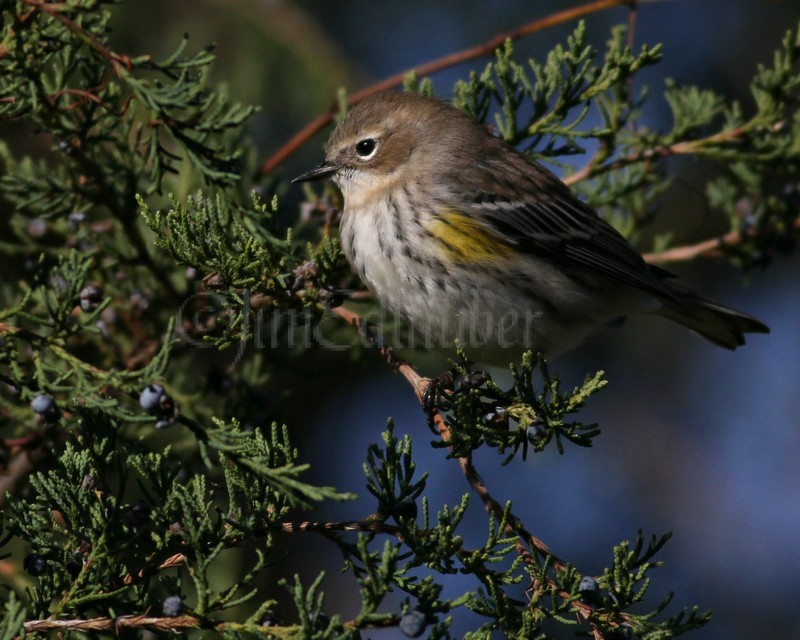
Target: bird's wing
<point>538,214</point>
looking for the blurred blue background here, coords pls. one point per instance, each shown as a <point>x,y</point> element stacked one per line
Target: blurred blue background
<point>696,440</point>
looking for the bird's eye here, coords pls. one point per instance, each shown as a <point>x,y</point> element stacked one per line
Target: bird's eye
<point>366,147</point>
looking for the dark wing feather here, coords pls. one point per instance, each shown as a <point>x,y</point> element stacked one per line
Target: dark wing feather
<point>545,219</point>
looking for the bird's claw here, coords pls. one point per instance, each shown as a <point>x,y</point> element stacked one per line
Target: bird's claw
<point>436,392</point>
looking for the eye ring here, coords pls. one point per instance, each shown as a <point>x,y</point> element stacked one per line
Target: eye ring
<point>366,148</point>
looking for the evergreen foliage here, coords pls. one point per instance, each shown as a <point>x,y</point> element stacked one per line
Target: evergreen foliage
<point>133,479</point>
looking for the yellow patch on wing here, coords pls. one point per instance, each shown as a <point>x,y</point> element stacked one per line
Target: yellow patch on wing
<point>465,239</point>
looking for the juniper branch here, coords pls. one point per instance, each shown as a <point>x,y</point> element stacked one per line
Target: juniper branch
<point>477,51</point>
<point>514,527</point>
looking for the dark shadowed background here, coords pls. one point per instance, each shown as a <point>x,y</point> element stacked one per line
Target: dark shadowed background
<point>695,439</point>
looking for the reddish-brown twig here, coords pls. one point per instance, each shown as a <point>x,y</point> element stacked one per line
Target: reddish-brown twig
<point>308,526</point>
<point>154,623</point>
<point>115,624</point>
<point>513,527</point>
<point>477,51</point>
<point>364,526</point>
<point>686,147</point>
<point>705,248</point>
<point>54,10</point>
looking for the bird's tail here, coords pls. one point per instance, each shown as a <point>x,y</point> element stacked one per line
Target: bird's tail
<point>715,322</point>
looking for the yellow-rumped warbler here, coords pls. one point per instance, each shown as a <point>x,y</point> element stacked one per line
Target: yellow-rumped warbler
<point>466,238</point>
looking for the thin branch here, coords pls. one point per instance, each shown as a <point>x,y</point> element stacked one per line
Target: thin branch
<point>450,60</point>
<point>363,526</point>
<point>712,247</point>
<point>127,215</point>
<point>419,384</point>
<point>87,96</point>
<point>175,625</point>
<point>187,622</point>
<point>514,527</point>
<point>117,624</point>
<point>387,351</point>
<point>174,560</point>
<point>53,9</point>
<point>705,248</point>
<point>592,169</point>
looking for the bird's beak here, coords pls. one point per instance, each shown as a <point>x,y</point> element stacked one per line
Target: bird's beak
<point>321,172</point>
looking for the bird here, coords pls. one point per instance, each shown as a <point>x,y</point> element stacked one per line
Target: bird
<point>466,238</point>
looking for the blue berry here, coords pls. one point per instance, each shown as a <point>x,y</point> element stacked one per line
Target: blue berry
<point>413,624</point>
<point>90,297</point>
<point>138,515</point>
<point>495,416</point>
<point>587,584</point>
<point>157,402</point>
<point>791,194</point>
<point>590,591</point>
<point>44,404</point>
<point>269,621</point>
<point>747,223</point>
<point>34,564</point>
<point>150,398</point>
<point>37,228</point>
<point>74,219</point>
<point>74,566</point>
<point>66,147</point>
<point>406,509</point>
<point>320,622</point>
<point>536,432</point>
<point>172,607</point>
<point>471,380</point>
